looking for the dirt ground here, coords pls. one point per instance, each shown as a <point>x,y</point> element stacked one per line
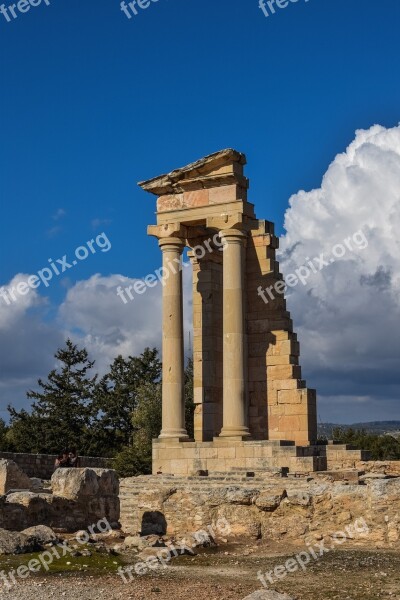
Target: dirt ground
<point>229,573</point>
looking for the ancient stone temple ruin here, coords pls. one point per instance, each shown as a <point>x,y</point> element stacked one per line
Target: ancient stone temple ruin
<point>253,409</point>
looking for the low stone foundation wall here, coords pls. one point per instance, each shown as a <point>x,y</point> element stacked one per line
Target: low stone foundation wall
<point>42,465</point>
<point>297,509</point>
<point>173,457</point>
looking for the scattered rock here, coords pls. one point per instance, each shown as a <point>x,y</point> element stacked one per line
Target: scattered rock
<point>41,535</point>
<point>299,498</point>
<point>270,501</point>
<point>12,477</point>
<point>133,541</point>
<point>237,495</point>
<point>13,542</point>
<point>77,484</point>
<point>95,493</point>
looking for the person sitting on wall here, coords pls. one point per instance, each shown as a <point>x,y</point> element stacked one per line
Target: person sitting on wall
<point>62,461</point>
<point>73,458</point>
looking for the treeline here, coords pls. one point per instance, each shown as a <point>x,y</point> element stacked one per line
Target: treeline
<point>115,416</point>
<point>382,447</point>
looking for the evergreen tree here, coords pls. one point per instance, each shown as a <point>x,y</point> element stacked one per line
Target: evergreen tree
<point>189,399</point>
<point>116,416</point>
<point>136,457</point>
<point>3,436</point>
<point>117,398</point>
<point>382,447</point>
<point>62,412</point>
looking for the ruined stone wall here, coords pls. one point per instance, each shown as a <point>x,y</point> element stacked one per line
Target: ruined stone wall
<point>384,467</point>
<point>297,510</point>
<point>77,499</point>
<point>281,407</point>
<point>42,465</point>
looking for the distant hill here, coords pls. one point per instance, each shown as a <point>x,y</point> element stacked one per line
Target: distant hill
<point>377,427</point>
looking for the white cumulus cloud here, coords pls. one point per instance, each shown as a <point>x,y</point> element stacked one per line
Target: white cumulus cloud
<point>347,314</point>
<point>94,316</point>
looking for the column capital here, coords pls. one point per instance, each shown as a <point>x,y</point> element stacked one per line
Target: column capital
<point>233,235</point>
<point>169,230</point>
<point>172,243</point>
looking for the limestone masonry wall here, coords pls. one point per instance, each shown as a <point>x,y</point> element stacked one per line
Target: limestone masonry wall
<point>171,457</point>
<point>300,510</point>
<point>42,465</point>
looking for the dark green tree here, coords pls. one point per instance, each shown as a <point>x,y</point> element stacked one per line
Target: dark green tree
<point>189,403</point>
<point>117,400</point>
<point>146,419</point>
<point>23,434</point>
<point>3,436</point>
<point>135,458</point>
<point>62,410</point>
<point>382,447</point>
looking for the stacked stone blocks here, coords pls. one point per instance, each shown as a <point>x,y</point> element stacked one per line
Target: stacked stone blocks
<point>248,386</point>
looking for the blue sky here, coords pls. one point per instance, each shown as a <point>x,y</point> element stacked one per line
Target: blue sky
<point>93,102</point>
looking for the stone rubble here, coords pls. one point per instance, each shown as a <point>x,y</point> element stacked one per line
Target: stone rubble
<point>76,499</point>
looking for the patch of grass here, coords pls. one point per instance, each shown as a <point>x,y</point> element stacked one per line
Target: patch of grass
<point>98,563</point>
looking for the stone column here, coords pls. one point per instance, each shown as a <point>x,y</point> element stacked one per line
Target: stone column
<point>234,359</point>
<point>173,400</point>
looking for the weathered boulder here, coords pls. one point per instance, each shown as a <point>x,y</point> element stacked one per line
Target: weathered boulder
<point>24,509</point>
<point>41,535</point>
<point>26,498</point>
<point>12,478</point>
<point>238,495</point>
<point>12,542</point>
<point>77,484</point>
<point>299,498</point>
<point>74,484</point>
<point>133,541</point>
<point>82,497</point>
<point>270,500</point>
